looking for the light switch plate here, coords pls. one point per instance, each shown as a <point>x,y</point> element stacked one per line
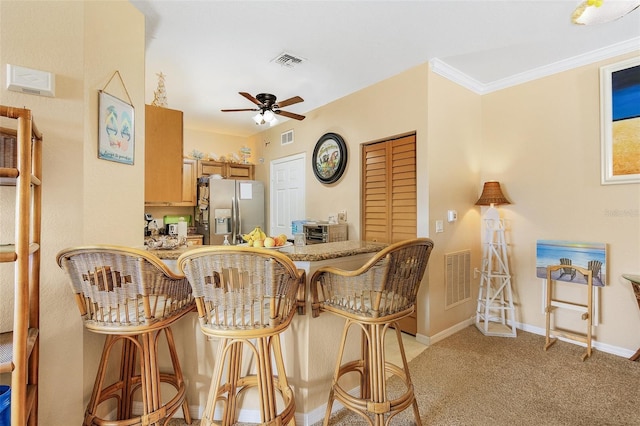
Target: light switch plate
<point>439,226</point>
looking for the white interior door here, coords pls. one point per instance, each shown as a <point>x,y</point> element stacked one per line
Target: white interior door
<point>287,193</point>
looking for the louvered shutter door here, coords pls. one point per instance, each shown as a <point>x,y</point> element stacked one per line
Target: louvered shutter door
<point>389,190</point>
<point>403,189</point>
<point>389,206</point>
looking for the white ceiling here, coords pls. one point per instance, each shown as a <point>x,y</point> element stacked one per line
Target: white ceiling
<point>211,50</point>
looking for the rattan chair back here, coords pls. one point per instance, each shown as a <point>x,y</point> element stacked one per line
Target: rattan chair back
<point>122,290</point>
<point>133,298</point>
<point>387,285</point>
<point>242,291</point>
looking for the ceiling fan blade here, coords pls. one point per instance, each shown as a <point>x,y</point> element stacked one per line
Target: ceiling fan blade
<point>290,101</point>
<point>251,98</point>
<point>290,115</point>
<point>241,109</point>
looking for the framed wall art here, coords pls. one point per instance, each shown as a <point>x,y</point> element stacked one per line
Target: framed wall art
<point>586,255</point>
<point>115,129</point>
<point>620,122</point>
<point>329,158</point>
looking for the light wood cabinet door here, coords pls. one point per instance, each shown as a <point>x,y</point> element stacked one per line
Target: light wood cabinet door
<point>226,170</point>
<point>208,167</point>
<point>163,156</point>
<point>240,171</point>
<point>189,182</point>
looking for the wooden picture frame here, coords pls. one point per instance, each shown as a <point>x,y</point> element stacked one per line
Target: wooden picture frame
<point>329,158</point>
<point>116,138</point>
<point>620,122</point>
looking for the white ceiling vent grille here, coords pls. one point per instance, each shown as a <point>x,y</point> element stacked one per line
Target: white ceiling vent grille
<point>288,60</point>
<point>457,278</point>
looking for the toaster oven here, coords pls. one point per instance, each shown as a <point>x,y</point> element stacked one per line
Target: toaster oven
<point>325,232</point>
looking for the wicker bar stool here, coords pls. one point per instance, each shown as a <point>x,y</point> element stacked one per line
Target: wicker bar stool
<point>373,298</point>
<point>132,298</point>
<point>246,298</point>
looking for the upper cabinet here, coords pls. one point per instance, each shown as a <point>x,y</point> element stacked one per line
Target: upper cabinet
<point>226,170</point>
<point>189,182</point>
<point>163,156</point>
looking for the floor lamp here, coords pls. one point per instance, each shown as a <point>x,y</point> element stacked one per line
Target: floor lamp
<point>495,314</point>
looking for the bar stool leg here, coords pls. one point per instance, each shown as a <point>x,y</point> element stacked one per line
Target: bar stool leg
<point>336,375</point>
<point>179,378</point>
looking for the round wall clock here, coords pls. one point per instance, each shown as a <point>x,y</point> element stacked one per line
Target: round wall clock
<point>329,158</point>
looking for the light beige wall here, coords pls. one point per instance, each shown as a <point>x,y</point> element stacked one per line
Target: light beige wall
<point>85,200</point>
<point>541,140</point>
<point>453,154</point>
<point>389,108</point>
<point>446,119</point>
<point>216,143</point>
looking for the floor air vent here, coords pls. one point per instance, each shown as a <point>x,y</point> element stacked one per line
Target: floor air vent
<point>457,278</point>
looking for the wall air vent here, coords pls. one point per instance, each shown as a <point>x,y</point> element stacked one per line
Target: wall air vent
<point>457,278</point>
<point>288,60</point>
<point>286,138</point>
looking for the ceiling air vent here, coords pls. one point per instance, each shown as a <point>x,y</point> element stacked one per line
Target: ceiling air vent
<point>288,60</point>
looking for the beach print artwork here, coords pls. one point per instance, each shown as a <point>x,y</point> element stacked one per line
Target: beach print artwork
<point>620,122</point>
<point>115,139</point>
<point>583,254</point>
<point>625,98</point>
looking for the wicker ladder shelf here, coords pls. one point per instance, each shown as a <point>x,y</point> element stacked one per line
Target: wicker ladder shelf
<point>21,166</point>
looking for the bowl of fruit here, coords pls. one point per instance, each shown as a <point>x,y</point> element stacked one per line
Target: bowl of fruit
<point>258,238</point>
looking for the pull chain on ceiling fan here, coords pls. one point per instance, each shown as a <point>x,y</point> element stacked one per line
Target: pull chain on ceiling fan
<point>268,107</point>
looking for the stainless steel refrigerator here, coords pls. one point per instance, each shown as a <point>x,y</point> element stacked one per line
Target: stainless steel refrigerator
<point>229,207</point>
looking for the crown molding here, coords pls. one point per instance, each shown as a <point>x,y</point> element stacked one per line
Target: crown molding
<point>442,68</point>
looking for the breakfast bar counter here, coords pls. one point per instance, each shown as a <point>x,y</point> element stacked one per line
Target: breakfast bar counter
<point>309,345</point>
<point>308,253</point>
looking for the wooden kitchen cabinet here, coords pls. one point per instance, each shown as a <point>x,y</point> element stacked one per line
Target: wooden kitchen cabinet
<point>226,170</point>
<point>163,182</point>
<point>209,167</point>
<point>189,182</point>
<point>240,171</point>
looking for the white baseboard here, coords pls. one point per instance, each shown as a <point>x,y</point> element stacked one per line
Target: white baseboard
<point>429,340</point>
<point>603,347</point>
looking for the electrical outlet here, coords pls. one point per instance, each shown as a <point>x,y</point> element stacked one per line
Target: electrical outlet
<point>342,216</point>
<point>439,226</point>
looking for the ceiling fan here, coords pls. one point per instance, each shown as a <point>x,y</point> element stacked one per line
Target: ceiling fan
<point>268,106</point>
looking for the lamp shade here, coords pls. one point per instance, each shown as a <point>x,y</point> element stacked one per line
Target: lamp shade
<point>492,194</point>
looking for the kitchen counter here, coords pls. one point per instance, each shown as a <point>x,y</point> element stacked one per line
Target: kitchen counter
<point>309,345</point>
<point>327,251</point>
<point>308,253</point>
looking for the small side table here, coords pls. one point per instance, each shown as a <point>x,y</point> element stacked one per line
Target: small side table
<point>635,283</point>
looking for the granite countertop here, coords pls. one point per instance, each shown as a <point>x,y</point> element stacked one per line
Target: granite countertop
<point>325,251</point>
<point>308,253</point>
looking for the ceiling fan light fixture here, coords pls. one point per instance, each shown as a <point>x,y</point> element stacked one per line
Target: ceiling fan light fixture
<point>268,116</point>
<point>258,119</point>
<point>592,12</point>
<point>273,122</point>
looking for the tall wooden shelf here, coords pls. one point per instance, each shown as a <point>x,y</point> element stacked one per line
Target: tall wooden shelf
<point>19,348</point>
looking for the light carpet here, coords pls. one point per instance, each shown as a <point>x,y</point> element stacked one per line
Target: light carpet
<point>472,379</point>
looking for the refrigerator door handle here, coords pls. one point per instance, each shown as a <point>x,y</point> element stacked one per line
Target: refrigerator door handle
<point>235,216</point>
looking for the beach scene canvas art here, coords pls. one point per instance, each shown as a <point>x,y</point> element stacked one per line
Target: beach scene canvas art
<point>583,254</point>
